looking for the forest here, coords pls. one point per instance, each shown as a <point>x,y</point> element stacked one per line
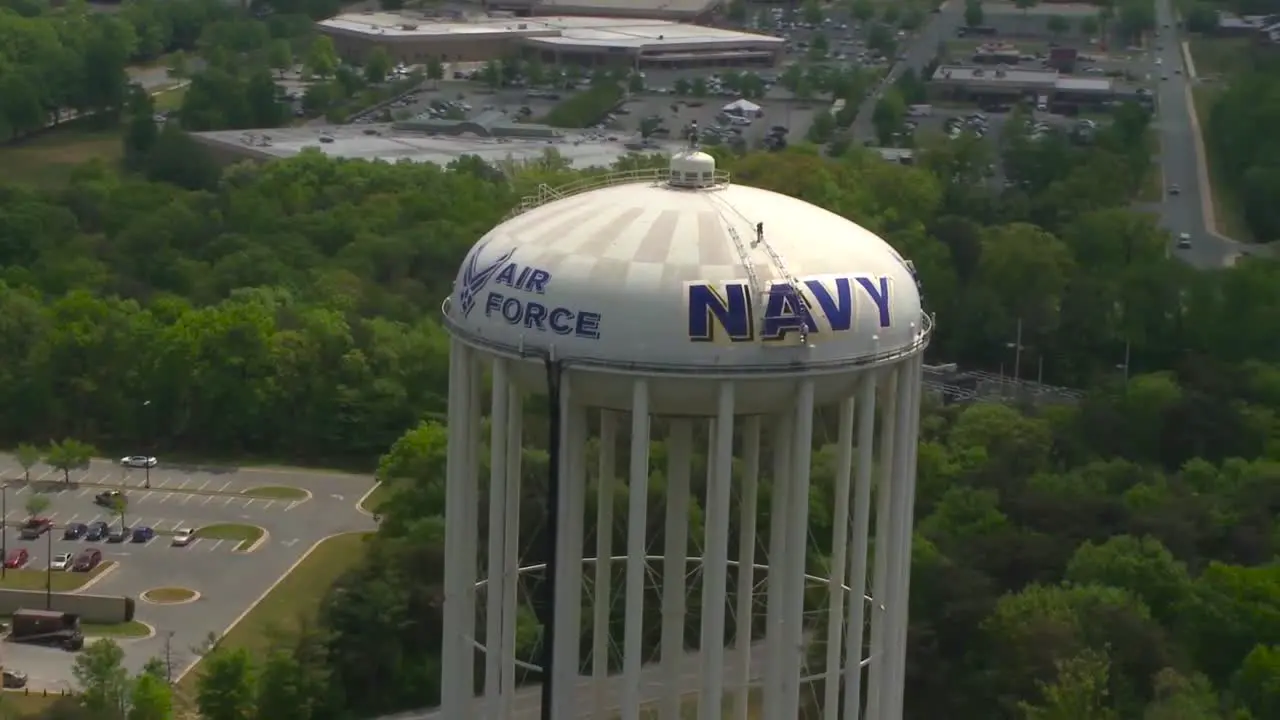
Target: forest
<point>1241,126</point>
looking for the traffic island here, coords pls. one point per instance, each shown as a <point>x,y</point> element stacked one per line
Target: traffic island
<point>131,630</point>
<point>169,596</point>
<point>277,492</point>
<point>246,537</point>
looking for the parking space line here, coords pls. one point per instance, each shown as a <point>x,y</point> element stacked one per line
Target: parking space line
<point>177,524</point>
<point>224,486</point>
<point>215,545</point>
<point>46,474</point>
<point>51,515</point>
<point>22,489</point>
<point>144,497</point>
<point>185,483</point>
<point>269,504</point>
<point>248,503</point>
<point>207,499</point>
<point>71,519</point>
<point>206,482</point>
<point>228,502</point>
<point>165,497</point>
<point>11,514</point>
<point>84,492</point>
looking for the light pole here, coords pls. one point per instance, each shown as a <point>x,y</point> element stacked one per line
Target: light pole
<point>4,529</point>
<point>48,572</point>
<point>148,443</point>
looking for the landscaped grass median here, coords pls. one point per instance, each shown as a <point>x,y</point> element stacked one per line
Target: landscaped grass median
<point>61,581</point>
<point>276,492</point>
<point>168,595</point>
<point>124,630</point>
<point>245,535</point>
<point>295,600</point>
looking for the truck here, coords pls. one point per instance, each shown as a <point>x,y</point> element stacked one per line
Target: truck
<point>46,627</point>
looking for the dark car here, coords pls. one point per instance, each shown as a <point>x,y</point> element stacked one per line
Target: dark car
<point>75,531</point>
<point>108,497</point>
<point>87,560</point>
<point>119,535</point>
<point>143,534</point>
<point>14,679</point>
<point>35,527</point>
<point>97,531</point>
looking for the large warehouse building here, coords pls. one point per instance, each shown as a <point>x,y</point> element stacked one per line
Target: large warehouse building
<point>588,41</point>
<point>683,10</point>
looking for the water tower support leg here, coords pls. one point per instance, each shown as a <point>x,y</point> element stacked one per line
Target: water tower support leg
<point>776,557</point>
<point>457,698</point>
<point>637,509</point>
<point>675,564</point>
<point>495,587</point>
<point>859,534</point>
<point>471,550</point>
<point>909,492</point>
<point>900,524</point>
<point>603,568</point>
<point>877,675</point>
<point>797,545</point>
<point>568,622</point>
<point>746,563</point>
<point>715,566</point>
<point>839,554</point>
<point>515,431</point>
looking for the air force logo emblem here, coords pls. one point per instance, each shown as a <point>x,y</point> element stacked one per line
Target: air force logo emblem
<point>475,277</point>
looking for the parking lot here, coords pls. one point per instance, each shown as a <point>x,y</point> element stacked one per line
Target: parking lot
<point>179,497</point>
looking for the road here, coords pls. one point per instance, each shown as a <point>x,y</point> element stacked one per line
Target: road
<point>919,52</point>
<point>1179,155</point>
<point>528,700</point>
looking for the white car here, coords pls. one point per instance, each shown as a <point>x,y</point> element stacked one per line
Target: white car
<point>183,537</point>
<point>1184,241</point>
<point>61,561</point>
<point>138,461</point>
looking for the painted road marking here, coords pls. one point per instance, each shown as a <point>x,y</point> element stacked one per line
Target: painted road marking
<point>228,502</point>
<point>294,504</point>
<point>224,486</point>
<point>207,499</point>
<point>144,497</point>
<point>206,482</point>
<point>185,483</point>
<point>216,545</point>
<point>165,497</point>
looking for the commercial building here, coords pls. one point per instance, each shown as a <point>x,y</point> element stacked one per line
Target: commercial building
<point>955,82</point>
<point>587,41</point>
<point>682,10</point>
<point>420,141</point>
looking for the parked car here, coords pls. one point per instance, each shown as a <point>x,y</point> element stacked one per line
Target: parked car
<point>17,558</point>
<point>35,527</point>
<point>183,537</point>
<point>108,498</point>
<point>61,561</point>
<point>74,531</point>
<point>138,461</point>
<point>14,680</point>
<point>97,531</point>
<point>119,535</point>
<point>143,534</point>
<point>87,560</point>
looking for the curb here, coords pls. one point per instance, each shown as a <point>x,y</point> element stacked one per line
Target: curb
<point>151,632</point>
<point>266,535</point>
<point>360,503</point>
<point>307,495</point>
<point>112,566</point>
<point>195,595</point>
<point>258,600</point>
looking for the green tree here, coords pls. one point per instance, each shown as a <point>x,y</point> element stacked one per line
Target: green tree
<point>150,698</point>
<point>973,14</point>
<point>377,66</point>
<point>1080,691</point>
<point>104,683</point>
<point>1143,566</point>
<point>28,456</point>
<point>887,117</point>
<point>36,504</point>
<point>812,12</point>
<point>863,10</point>
<point>1089,25</point>
<point>280,56</point>
<point>1257,683</point>
<point>1058,25</point>
<point>322,59</point>
<point>225,687</point>
<point>68,455</point>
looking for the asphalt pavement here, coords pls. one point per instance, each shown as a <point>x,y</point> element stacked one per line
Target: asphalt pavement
<point>180,497</point>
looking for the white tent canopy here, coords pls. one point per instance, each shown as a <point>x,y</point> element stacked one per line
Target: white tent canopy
<point>742,107</point>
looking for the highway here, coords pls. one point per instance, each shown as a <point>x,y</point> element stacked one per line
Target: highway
<point>528,700</point>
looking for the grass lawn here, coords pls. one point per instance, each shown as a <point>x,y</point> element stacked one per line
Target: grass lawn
<point>246,534</point>
<point>381,493</point>
<point>1219,56</point>
<point>61,582</point>
<point>131,629</point>
<point>1226,209</point>
<point>18,704</point>
<point>167,100</point>
<point>48,160</point>
<point>296,598</point>
<point>276,492</point>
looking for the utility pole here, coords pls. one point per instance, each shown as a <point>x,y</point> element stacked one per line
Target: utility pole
<point>4,531</point>
<point>48,572</point>
<point>146,404</point>
<point>1017,353</point>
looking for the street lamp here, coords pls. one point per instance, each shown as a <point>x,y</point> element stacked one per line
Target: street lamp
<point>4,530</point>
<point>48,572</point>
<point>147,462</point>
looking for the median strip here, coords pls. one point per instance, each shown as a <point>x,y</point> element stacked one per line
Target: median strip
<point>247,537</point>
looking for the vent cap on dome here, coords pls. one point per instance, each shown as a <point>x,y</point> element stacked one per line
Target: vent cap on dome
<point>692,169</point>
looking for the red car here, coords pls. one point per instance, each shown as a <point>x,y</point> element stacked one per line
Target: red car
<point>88,559</point>
<point>35,527</point>
<point>17,558</point>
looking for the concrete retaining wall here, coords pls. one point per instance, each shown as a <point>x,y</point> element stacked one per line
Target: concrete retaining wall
<point>101,609</point>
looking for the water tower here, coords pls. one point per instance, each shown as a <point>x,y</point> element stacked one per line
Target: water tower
<point>672,305</point>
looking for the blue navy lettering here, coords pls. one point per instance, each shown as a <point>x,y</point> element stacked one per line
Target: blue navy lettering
<point>817,305</point>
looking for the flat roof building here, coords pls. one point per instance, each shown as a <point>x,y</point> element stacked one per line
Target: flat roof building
<point>589,41</point>
<point>409,142</point>
<point>683,10</point>
<point>963,83</point>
